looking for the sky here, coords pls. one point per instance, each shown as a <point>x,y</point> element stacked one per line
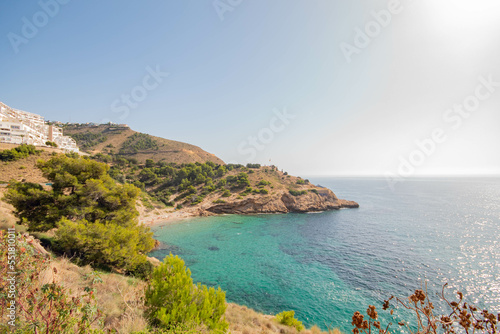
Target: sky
<point>396,88</point>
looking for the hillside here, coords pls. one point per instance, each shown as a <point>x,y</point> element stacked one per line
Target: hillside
<point>121,140</point>
<point>174,191</point>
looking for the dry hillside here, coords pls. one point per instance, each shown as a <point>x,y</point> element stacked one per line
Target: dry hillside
<point>121,300</point>
<point>24,169</point>
<point>106,138</point>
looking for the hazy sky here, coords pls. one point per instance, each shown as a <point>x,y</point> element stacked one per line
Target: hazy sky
<point>319,87</point>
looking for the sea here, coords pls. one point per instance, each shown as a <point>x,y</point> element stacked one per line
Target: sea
<point>421,234</point>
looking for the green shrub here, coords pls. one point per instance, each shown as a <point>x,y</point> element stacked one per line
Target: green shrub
<point>109,244</point>
<point>226,193</point>
<point>243,180</point>
<point>20,152</point>
<point>50,143</point>
<point>139,142</point>
<point>171,298</point>
<point>234,166</point>
<point>95,217</point>
<point>264,183</point>
<point>287,318</point>
<point>264,191</point>
<point>219,201</point>
<point>297,192</point>
<point>231,179</point>
<point>300,181</point>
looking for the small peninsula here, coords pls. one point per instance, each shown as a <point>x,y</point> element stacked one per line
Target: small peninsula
<point>180,180</point>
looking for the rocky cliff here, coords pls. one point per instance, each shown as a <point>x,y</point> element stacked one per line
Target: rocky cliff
<point>284,202</point>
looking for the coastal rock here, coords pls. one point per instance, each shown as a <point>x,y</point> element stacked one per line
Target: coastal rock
<point>321,200</point>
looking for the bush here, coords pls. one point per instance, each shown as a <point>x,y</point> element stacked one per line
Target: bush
<point>20,152</point>
<point>234,166</point>
<point>219,201</point>
<point>263,183</point>
<point>300,181</point>
<point>243,180</point>
<point>109,244</point>
<point>253,165</point>
<point>50,143</point>
<point>221,183</point>
<point>96,218</point>
<point>226,193</point>
<point>297,192</point>
<point>171,298</point>
<point>231,179</point>
<point>287,318</point>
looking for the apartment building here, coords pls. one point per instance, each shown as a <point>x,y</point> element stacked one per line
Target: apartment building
<point>21,127</point>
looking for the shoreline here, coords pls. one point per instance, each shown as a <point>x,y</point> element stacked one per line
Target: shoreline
<point>165,217</point>
<point>280,203</point>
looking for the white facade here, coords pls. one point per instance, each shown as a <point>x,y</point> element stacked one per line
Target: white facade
<point>21,127</point>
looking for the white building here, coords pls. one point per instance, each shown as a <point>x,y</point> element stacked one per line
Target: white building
<point>21,127</point>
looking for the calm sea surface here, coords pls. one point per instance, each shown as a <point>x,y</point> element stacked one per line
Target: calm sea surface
<point>327,265</point>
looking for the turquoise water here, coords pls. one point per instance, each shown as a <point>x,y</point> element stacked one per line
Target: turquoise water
<point>327,265</point>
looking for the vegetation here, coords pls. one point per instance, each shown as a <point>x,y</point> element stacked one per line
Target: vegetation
<point>172,299</point>
<point>137,142</point>
<point>297,192</point>
<point>19,152</point>
<point>95,218</point>
<point>460,317</point>
<point>88,139</point>
<point>288,318</point>
<point>263,183</point>
<point>51,143</point>
<point>253,165</point>
<point>43,308</point>
<point>219,201</point>
<point>186,184</point>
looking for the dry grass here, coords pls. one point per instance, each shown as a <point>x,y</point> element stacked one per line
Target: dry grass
<point>7,218</point>
<point>23,169</point>
<point>119,297</point>
<point>243,320</point>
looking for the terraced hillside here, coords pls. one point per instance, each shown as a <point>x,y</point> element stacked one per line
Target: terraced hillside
<point>109,138</point>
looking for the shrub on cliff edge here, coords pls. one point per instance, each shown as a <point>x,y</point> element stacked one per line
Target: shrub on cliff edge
<point>172,299</point>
